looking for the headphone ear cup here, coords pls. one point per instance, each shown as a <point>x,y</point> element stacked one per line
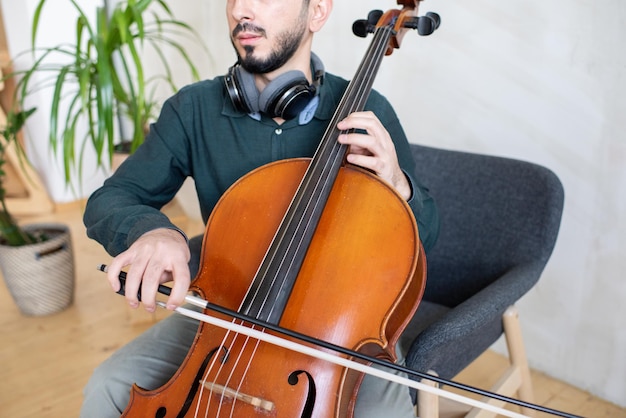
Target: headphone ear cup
<point>242,90</point>
<point>287,95</point>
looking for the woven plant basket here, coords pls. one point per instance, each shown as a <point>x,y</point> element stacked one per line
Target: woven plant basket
<point>40,277</point>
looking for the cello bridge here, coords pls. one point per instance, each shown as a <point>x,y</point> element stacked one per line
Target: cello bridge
<point>236,395</point>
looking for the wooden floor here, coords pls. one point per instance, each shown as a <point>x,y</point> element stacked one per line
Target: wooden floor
<point>46,361</point>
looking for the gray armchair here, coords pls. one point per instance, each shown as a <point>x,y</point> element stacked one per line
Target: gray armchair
<point>499,222</point>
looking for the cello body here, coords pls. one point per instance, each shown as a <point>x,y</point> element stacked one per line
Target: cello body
<point>360,283</point>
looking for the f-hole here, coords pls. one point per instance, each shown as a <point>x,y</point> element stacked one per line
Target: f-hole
<point>293,380</point>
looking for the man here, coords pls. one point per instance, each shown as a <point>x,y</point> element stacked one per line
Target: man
<point>216,134</point>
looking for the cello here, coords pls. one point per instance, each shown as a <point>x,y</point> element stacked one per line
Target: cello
<point>305,244</point>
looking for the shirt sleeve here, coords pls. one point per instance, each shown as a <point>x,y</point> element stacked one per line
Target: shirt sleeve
<point>128,203</point>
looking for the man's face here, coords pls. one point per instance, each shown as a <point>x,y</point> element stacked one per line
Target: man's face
<point>266,33</point>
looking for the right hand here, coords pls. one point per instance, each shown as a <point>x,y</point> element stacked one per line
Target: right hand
<point>157,257</point>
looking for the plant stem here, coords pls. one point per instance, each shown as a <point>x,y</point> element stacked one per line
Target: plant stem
<point>11,234</point>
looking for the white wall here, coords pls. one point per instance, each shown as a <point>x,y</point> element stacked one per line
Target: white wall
<point>529,79</point>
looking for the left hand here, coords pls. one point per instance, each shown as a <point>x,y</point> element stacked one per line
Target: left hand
<point>374,150</point>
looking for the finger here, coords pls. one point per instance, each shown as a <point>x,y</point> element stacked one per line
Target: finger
<point>114,269</point>
<point>365,161</point>
<point>180,288</point>
<point>150,280</point>
<point>149,290</point>
<point>359,143</point>
<point>366,121</point>
<point>134,279</point>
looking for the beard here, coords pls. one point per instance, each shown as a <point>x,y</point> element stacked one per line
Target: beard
<point>287,44</point>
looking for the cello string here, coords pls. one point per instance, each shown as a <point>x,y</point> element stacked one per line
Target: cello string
<point>238,390</point>
<point>230,377</point>
<point>360,89</point>
<point>247,367</point>
<point>222,392</point>
<point>224,346</point>
<point>203,384</point>
<point>233,366</point>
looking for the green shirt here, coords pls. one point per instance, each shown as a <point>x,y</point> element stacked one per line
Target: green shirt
<point>200,134</point>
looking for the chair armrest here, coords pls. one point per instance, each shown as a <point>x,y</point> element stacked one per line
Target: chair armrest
<point>451,343</point>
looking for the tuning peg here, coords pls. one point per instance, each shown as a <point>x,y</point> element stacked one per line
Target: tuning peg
<point>425,25</point>
<point>362,27</point>
<point>374,16</point>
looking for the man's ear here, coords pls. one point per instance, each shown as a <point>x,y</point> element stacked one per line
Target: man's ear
<point>320,13</point>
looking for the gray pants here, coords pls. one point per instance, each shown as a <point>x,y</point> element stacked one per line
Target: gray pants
<point>153,357</point>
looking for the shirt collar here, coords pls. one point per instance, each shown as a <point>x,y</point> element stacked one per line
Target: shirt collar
<point>305,116</point>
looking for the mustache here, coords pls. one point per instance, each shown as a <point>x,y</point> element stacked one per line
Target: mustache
<point>248,27</point>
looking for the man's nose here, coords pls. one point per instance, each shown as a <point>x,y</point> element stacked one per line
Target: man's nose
<point>241,10</point>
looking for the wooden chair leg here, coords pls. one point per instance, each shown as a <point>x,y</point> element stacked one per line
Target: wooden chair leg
<point>516,379</point>
<point>517,355</point>
<point>428,403</point>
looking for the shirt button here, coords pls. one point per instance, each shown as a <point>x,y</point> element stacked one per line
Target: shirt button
<point>278,131</point>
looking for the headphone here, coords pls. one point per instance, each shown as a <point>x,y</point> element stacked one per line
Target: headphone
<point>285,96</point>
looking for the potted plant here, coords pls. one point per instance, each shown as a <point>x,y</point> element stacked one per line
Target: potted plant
<point>101,76</point>
<point>36,260</point>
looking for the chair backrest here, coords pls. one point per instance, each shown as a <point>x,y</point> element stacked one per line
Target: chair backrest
<point>496,214</point>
